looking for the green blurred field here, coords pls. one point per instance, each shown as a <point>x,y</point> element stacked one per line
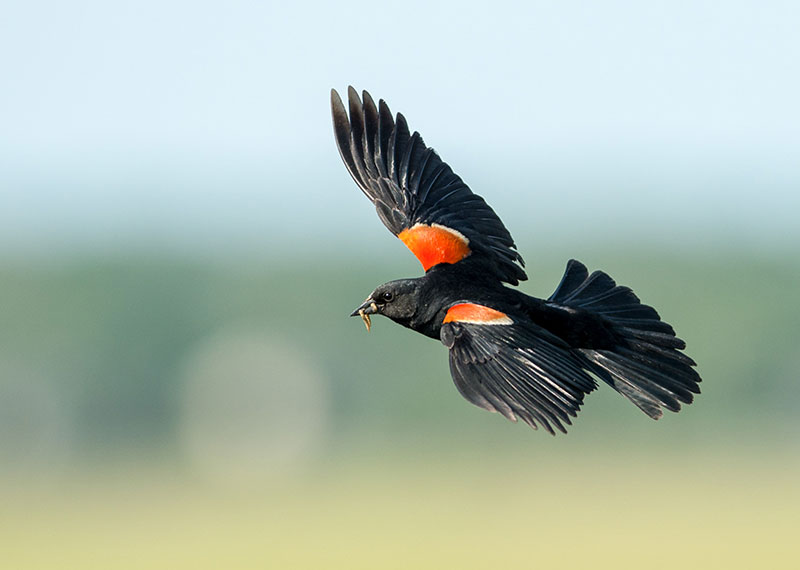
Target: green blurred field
<point>161,413</point>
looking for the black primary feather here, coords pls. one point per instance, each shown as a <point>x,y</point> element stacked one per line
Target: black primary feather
<point>410,184</point>
<point>518,371</point>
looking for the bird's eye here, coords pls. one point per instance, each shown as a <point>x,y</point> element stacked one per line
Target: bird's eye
<point>388,296</point>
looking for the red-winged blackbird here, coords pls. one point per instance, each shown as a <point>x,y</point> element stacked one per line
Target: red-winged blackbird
<point>509,352</point>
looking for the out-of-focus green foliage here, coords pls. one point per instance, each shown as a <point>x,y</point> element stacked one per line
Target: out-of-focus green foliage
<point>110,339</point>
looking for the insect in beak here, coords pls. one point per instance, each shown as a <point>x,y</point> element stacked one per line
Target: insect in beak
<point>365,317</point>
<point>364,311</point>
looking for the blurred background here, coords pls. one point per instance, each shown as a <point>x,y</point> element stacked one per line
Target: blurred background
<point>180,247</point>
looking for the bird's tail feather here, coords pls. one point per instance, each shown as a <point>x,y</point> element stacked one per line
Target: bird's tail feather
<point>646,366</point>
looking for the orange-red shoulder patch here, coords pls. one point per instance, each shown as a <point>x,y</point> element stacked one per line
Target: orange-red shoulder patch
<point>433,244</point>
<point>476,314</point>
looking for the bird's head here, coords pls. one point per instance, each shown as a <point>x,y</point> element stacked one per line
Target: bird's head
<point>395,299</point>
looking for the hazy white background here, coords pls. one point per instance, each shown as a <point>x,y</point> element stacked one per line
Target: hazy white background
<point>204,126</point>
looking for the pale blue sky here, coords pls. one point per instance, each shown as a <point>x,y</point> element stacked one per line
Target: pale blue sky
<point>205,126</point>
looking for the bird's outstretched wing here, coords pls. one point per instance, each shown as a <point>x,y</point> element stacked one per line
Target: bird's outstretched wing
<point>417,195</point>
<point>515,368</point>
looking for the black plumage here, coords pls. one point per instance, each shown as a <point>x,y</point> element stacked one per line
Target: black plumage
<point>518,355</point>
<point>410,184</point>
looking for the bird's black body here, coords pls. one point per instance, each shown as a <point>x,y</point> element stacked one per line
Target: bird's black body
<point>509,352</point>
<point>445,285</point>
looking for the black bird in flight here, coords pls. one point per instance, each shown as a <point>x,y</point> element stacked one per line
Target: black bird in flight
<point>521,356</point>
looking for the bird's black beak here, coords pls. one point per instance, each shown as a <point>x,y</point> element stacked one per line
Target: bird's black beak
<point>367,308</point>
